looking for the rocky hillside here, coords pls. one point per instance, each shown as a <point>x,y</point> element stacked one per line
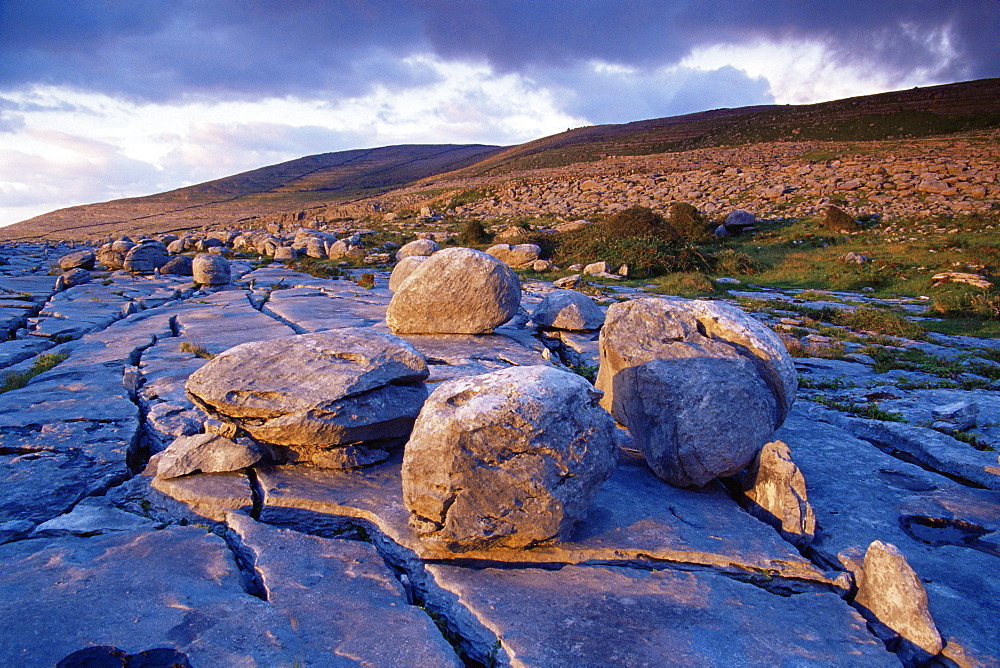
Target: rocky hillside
<point>932,145</point>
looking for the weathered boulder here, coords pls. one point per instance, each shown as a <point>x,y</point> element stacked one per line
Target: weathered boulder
<point>568,309</point>
<point>835,218</point>
<point>176,246</point>
<point>315,394</point>
<point>521,255</point>
<point>892,597</point>
<point>72,278</point>
<point>208,453</point>
<point>597,268</point>
<point>403,269</point>
<point>178,265</point>
<point>81,259</point>
<point>776,490</point>
<point>456,291</point>
<point>701,386</point>
<point>510,458</point>
<point>568,282</point>
<point>146,257</point>
<point>210,269</point>
<point>284,254</point>
<point>113,255</point>
<point>420,247</point>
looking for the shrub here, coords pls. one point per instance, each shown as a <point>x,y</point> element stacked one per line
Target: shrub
<point>637,221</point>
<point>687,221</point>
<point>366,281</point>
<point>730,261</point>
<point>474,234</point>
<point>196,349</point>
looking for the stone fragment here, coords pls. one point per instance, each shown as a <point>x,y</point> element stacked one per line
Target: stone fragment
<point>284,254</point>
<point>891,593</point>
<point>519,256</point>
<point>418,248</point>
<point>403,269</point>
<point>208,453</point>
<point>146,257</point>
<point>568,309</point>
<point>975,280</point>
<point>456,291</point>
<point>541,266</point>
<point>210,269</point>
<point>597,268</point>
<point>777,492</point>
<point>312,392</point>
<point>956,416</point>
<point>81,259</point>
<point>835,218</point>
<point>853,258</point>
<point>72,278</point>
<point>568,282</point>
<point>510,458</point>
<point>178,265</point>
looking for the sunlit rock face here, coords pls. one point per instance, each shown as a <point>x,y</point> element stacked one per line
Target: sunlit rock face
<point>568,309</point>
<point>510,458</point>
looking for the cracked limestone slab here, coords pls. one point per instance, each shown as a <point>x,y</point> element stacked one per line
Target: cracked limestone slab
<point>342,598</point>
<point>861,494</point>
<point>178,588</point>
<point>456,355</point>
<point>635,517</point>
<point>315,310</point>
<point>613,616</point>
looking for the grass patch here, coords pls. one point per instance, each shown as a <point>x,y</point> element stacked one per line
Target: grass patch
<point>887,359</point>
<point>196,349</point>
<point>366,281</point>
<point>870,411</point>
<point>973,440</point>
<point>15,380</point>
<point>880,321</point>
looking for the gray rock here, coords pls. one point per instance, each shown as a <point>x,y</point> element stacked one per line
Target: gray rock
<point>517,256</point>
<point>957,416</point>
<point>93,515</point>
<point>890,593</point>
<point>210,269</point>
<point>113,255</point>
<point>597,268</point>
<point>72,278</point>
<point>315,391</point>
<point>146,257</point>
<point>777,492</point>
<point>284,254</point>
<point>208,453</point>
<point>418,248</point>
<point>456,291</point>
<point>568,309</point>
<point>568,282</point>
<point>403,269</point>
<point>178,265</point>
<point>510,458</point>
<point>81,259</point>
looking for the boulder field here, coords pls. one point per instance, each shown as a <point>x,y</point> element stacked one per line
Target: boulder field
<point>279,471</point>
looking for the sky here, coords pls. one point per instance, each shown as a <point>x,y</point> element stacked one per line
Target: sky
<point>107,99</point>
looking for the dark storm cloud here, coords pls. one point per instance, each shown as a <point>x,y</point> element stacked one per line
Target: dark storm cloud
<point>154,50</point>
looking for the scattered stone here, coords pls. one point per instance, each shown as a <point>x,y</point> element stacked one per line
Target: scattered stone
<point>835,218</point>
<point>953,417</point>
<point>519,256</point>
<point>541,266</point>
<point>777,492</point>
<point>568,282</point>
<point>210,269</point>
<point>178,265</point>
<point>739,222</point>
<point>314,393</point>
<point>974,280</point>
<point>511,458</point>
<point>81,259</point>
<point>728,281</point>
<point>418,248</point>
<point>72,278</point>
<point>853,258</point>
<point>597,268</point>
<point>146,257</point>
<point>285,254</point>
<point>208,453</point>
<point>456,291</point>
<point>892,596</point>
<point>568,309</point>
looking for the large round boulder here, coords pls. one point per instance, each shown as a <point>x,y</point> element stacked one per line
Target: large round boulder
<point>511,458</point>
<point>700,385</point>
<point>210,269</point>
<point>336,398</point>
<point>568,309</point>
<point>403,269</point>
<point>146,257</point>
<point>456,291</point>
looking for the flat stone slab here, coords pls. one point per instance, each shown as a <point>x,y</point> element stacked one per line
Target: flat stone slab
<point>181,588</point>
<point>612,616</point>
<point>861,494</point>
<point>456,355</point>
<point>635,517</point>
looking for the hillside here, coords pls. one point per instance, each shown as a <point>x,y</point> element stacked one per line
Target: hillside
<point>333,185</point>
<point>289,186</point>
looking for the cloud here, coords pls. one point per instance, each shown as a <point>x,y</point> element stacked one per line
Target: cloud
<point>155,51</point>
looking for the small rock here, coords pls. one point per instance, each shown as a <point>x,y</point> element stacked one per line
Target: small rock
<point>146,257</point>
<point>957,416</point>
<point>597,268</point>
<point>82,259</point>
<point>568,282</point>
<point>853,258</point>
<point>72,278</point>
<point>210,269</point>
<point>208,453</point>
<point>776,489</point>
<point>519,256</point>
<point>178,265</point>
<point>974,280</point>
<point>568,309</point>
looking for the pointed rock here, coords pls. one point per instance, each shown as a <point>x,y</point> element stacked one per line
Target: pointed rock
<point>776,489</point>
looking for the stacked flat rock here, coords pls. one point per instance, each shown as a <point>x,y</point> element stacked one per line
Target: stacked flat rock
<point>511,458</point>
<point>81,259</point>
<point>112,255</point>
<point>336,399</point>
<point>570,310</point>
<point>456,291</point>
<point>700,385</point>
